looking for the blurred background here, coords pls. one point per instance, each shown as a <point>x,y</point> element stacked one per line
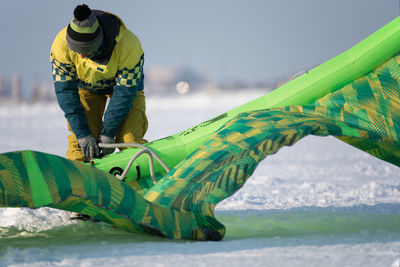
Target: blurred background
<point>193,45</point>
<point>320,202</point>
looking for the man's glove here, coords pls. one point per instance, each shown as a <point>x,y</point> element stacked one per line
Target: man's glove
<point>105,140</point>
<point>89,147</point>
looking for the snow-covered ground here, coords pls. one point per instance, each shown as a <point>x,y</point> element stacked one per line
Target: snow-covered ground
<point>319,202</point>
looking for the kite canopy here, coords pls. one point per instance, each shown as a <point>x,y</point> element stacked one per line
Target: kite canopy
<point>364,113</point>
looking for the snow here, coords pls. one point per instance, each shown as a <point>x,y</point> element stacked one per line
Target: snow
<point>350,199</point>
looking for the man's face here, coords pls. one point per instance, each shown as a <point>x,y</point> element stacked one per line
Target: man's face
<point>86,55</point>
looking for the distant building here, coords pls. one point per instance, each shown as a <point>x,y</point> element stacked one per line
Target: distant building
<point>42,91</point>
<point>5,91</point>
<point>16,92</point>
<point>11,89</point>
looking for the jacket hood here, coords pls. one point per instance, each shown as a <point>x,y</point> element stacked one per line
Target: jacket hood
<point>110,25</point>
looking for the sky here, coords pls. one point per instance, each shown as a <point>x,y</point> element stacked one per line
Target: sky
<point>229,40</point>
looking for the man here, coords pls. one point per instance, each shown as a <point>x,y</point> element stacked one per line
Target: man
<point>95,58</point>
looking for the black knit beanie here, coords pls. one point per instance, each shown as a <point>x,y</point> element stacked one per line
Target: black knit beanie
<point>84,34</point>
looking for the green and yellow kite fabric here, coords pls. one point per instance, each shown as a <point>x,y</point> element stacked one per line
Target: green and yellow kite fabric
<point>35,179</point>
<point>364,113</point>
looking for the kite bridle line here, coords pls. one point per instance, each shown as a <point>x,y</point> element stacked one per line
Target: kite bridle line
<point>144,150</point>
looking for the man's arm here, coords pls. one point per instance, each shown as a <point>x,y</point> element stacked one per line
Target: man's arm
<point>66,88</point>
<point>128,82</point>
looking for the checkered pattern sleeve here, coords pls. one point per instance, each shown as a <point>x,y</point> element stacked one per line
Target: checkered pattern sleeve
<point>130,76</point>
<point>62,71</point>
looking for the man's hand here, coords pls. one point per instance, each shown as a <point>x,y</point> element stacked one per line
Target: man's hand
<point>89,147</point>
<point>105,140</point>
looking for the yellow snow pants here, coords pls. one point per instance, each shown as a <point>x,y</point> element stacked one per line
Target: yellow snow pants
<point>132,129</point>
